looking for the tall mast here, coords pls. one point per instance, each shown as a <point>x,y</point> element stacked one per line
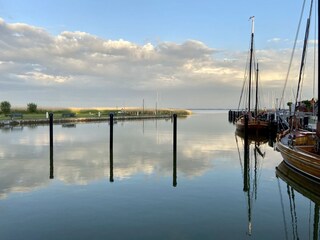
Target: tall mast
<point>257,81</point>
<point>303,57</point>
<point>318,123</point>
<point>250,66</point>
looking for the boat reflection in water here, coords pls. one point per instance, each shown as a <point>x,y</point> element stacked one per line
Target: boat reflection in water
<point>251,165</point>
<point>296,182</point>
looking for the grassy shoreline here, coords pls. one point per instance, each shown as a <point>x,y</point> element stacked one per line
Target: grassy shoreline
<point>67,115</point>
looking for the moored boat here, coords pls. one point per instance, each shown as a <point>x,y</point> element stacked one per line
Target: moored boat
<point>299,148</point>
<point>256,125</point>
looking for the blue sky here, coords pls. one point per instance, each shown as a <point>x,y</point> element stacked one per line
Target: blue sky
<point>219,24</point>
<point>220,30</point>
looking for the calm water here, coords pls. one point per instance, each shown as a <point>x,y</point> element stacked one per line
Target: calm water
<point>81,201</point>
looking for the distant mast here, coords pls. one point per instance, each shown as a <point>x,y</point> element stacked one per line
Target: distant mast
<point>318,123</point>
<point>250,66</point>
<point>257,82</point>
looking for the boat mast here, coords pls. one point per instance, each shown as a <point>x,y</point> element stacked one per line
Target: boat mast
<point>257,79</point>
<point>250,66</point>
<point>303,57</point>
<point>318,123</point>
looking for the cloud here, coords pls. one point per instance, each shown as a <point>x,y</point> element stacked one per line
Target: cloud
<point>80,69</point>
<point>275,40</point>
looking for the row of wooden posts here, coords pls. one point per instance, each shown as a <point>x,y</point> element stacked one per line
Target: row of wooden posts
<point>111,179</point>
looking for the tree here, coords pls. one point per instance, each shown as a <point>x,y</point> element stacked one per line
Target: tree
<point>32,107</point>
<point>308,105</point>
<point>5,107</point>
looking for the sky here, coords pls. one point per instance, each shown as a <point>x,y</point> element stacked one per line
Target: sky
<point>169,53</point>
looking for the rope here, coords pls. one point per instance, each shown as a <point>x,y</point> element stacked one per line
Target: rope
<point>244,80</point>
<point>292,53</point>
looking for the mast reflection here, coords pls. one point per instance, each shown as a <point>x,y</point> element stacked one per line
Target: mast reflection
<point>250,169</point>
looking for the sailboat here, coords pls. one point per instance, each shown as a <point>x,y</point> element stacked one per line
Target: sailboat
<point>256,125</point>
<point>299,148</point>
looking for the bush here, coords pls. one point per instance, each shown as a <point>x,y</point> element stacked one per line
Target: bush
<point>5,107</point>
<point>32,107</point>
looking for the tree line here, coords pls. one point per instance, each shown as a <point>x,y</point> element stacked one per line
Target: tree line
<point>5,107</point>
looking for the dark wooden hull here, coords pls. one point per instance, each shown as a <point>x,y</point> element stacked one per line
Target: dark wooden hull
<point>256,128</point>
<point>300,157</point>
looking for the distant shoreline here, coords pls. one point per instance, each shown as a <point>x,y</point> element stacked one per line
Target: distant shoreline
<point>77,115</point>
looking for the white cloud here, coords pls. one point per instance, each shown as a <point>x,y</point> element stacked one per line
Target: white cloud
<point>119,71</point>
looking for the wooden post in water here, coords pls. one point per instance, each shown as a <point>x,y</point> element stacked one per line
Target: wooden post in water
<point>174,150</point>
<point>51,128</point>
<point>51,144</point>
<point>111,147</point>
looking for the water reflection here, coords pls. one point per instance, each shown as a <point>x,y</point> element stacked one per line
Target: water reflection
<point>51,176</point>
<point>297,183</point>
<point>9,128</point>
<point>212,199</point>
<point>174,171</point>
<point>174,161</point>
<point>79,155</point>
<point>251,167</point>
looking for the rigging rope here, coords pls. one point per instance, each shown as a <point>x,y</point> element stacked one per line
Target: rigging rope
<point>244,80</point>
<point>244,96</point>
<point>303,60</point>
<point>292,53</point>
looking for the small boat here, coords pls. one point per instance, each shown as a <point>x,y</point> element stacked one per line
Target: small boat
<point>256,125</point>
<point>300,148</point>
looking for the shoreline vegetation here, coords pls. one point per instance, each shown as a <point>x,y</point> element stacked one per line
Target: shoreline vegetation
<point>20,116</point>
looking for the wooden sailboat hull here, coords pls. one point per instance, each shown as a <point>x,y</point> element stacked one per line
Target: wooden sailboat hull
<point>300,157</point>
<point>254,126</point>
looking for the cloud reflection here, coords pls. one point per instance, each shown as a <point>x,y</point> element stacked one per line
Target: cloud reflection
<point>81,154</point>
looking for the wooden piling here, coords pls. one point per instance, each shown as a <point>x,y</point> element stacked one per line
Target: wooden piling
<point>111,147</point>
<point>51,128</point>
<point>174,181</point>
<point>51,144</point>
